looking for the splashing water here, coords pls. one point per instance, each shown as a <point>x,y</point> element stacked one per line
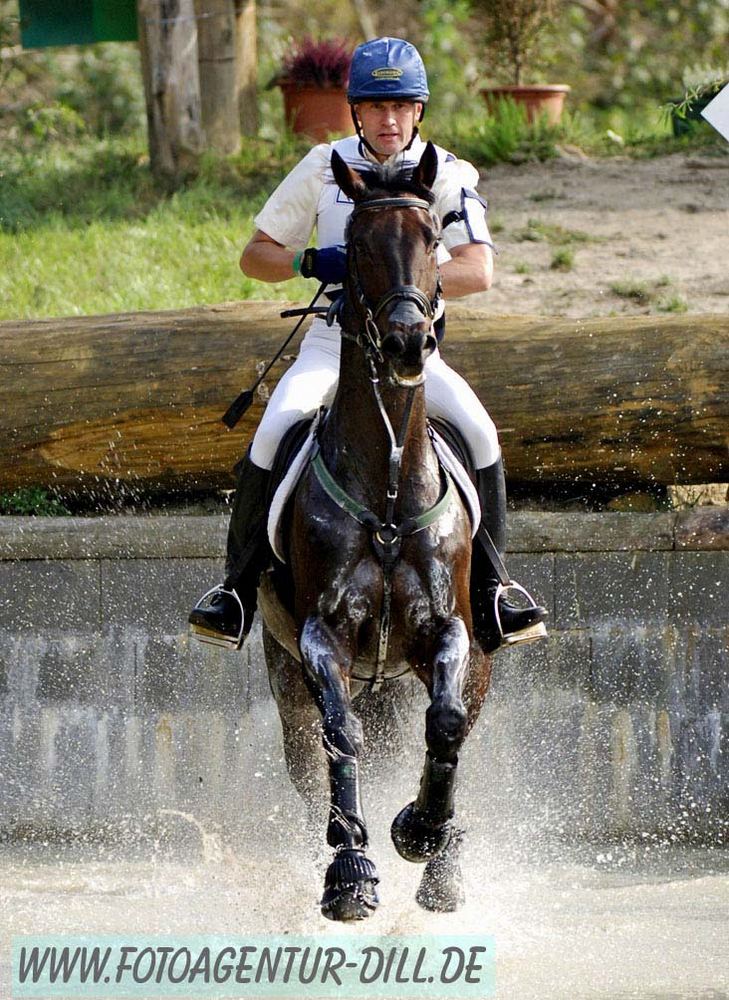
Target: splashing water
<point>619,921</point>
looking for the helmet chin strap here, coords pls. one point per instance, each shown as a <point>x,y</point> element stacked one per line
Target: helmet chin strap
<point>369,146</point>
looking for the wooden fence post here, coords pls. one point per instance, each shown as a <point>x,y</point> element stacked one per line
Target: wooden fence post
<point>247,65</point>
<point>216,40</point>
<point>168,47</point>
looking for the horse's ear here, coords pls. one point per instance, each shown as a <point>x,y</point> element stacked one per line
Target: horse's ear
<point>348,180</point>
<point>424,173</point>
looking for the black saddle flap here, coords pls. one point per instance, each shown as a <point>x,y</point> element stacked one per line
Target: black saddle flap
<point>290,446</point>
<point>455,441</point>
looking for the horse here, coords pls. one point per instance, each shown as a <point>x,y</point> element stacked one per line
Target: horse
<point>378,547</point>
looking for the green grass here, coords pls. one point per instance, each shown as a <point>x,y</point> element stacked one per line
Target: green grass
<point>504,136</point>
<point>637,291</point>
<point>85,230</point>
<point>537,231</point>
<point>563,259</point>
<point>648,293</point>
<point>675,304</point>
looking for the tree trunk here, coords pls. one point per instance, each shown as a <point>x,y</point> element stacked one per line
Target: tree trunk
<point>136,399</point>
<point>168,47</point>
<point>216,53</point>
<point>366,20</point>
<point>247,65</point>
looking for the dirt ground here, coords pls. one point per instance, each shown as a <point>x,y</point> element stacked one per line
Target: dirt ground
<point>645,235</point>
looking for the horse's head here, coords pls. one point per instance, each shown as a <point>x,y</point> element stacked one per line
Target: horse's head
<point>392,287</point>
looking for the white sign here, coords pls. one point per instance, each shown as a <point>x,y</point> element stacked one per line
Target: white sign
<point>716,112</point>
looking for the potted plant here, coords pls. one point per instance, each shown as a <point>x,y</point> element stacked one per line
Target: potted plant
<point>513,29</point>
<point>701,85</point>
<point>313,79</point>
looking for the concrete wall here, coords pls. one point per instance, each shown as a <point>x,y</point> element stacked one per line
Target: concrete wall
<point>619,723</point>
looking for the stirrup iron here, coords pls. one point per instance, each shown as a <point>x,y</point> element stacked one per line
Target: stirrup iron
<point>215,638</point>
<point>532,633</point>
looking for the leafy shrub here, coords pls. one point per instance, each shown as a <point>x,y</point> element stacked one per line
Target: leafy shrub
<point>31,500</point>
<point>53,121</point>
<point>314,63</point>
<point>505,135</point>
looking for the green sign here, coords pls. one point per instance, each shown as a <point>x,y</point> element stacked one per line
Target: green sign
<point>76,22</point>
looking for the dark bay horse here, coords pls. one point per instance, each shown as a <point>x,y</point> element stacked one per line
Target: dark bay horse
<point>379,549</point>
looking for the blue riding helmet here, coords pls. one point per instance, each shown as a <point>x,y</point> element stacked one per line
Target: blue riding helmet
<point>387,69</point>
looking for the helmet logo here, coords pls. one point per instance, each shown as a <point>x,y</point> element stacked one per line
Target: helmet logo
<point>388,73</point>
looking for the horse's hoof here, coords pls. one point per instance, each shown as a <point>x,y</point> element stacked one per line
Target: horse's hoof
<point>350,887</point>
<point>441,887</point>
<point>414,839</point>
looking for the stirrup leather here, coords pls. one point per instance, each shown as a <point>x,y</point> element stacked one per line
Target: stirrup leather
<point>531,633</point>
<point>216,638</point>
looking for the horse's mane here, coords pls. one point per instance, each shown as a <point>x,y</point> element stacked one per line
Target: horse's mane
<point>389,180</point>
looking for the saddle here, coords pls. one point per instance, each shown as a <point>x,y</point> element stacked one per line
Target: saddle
<point>299,445</point>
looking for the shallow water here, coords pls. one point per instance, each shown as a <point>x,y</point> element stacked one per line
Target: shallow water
<point>593,923</point>
<point>569,921</point>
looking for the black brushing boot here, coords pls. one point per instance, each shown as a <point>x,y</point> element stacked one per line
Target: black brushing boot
<point>496,620</point>
<point>224,615</point>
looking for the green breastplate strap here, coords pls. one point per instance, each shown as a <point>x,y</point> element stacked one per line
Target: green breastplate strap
<point>384,533</point>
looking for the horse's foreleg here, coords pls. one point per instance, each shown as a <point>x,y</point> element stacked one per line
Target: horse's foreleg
<point>423,830</point>
<point>350,885</point>
<point>301,729</point>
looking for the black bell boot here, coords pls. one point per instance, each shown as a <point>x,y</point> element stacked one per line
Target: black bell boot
<point>497,621</point>
<point>224,615</point>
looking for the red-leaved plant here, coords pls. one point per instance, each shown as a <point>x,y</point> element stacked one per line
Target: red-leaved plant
<point>316,64</point>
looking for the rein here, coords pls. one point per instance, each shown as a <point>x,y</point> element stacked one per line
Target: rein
<point>387,536</point>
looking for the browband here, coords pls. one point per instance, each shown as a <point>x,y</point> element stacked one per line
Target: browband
<point>367,206</point>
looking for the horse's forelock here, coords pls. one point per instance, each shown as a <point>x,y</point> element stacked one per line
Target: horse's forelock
<point>389,180</point>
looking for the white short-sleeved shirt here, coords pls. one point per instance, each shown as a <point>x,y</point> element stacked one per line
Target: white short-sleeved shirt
<point>309,199</point>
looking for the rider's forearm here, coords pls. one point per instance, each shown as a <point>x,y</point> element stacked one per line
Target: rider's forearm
<point>267,261</point>
<point>463,276</point>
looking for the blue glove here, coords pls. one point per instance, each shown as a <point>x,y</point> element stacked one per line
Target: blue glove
<point>329,264</point>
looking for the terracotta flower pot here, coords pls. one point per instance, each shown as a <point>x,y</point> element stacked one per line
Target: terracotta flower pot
<point>538,99</point>
<point>316,112</point>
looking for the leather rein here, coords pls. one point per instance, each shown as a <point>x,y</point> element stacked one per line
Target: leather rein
<point>386,534</point>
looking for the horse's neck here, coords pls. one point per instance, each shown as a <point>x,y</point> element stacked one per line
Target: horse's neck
<point>356,445</point>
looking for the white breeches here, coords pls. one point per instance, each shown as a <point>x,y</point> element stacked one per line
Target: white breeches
<point>312,378</point>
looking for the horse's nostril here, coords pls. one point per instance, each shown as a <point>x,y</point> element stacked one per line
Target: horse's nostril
<point>430,343</point>
<point>393,345</point>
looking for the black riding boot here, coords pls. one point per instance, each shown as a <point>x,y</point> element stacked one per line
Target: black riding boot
<point>517,624</point>
<point>227,617</point>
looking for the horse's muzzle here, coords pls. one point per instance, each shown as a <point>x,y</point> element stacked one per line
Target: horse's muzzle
<point>409,340</point>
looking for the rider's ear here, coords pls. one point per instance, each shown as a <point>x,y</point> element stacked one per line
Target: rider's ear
<point>349,180</point>
<point>424,173</point>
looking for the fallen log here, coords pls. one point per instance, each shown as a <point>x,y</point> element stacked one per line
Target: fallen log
<point>135,400</point>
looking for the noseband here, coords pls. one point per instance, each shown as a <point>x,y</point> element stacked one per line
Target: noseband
<point>371,341</point>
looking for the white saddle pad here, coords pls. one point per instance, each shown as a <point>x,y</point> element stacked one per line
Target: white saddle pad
<point>286,488</point>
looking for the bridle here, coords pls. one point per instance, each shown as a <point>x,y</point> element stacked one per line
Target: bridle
<point>386,534</point>
<point>369,337</point>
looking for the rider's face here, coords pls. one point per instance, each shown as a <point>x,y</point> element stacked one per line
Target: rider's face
<point>388,125</point>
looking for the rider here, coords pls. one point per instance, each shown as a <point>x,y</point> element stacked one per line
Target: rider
<point>387,92</point>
